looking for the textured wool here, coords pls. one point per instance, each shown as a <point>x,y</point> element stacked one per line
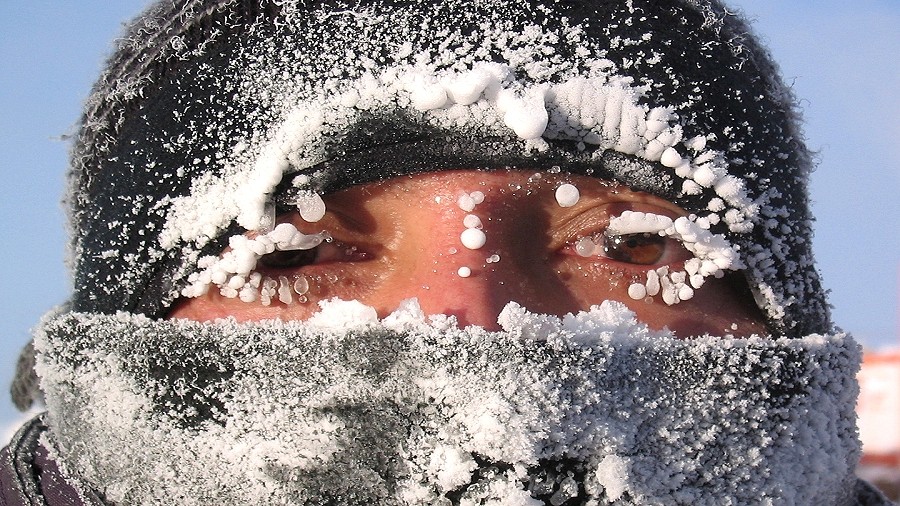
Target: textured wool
<point>411,410</point>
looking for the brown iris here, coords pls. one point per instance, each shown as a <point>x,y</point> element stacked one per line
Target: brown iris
<point>642,249</point>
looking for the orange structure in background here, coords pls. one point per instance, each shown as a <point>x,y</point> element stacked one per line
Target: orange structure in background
<point>879,420</point>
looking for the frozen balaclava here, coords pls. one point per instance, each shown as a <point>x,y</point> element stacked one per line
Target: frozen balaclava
<point>215,116</point>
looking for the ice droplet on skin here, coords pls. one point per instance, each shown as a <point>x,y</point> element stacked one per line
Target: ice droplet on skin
<point>472,221</point>
<point>585,247</point>
<point>464,272</point>
<point>302,241</point>
<point>473,238</point>
<point>282,234</point>
<point>697,280</point>
<point>652,283</point>
<point>248,294</point>
<point>466,203</point>
<point>268,219</point>
<point>301,285</point>
<point>637,291</point>
<point>567,195</point>
<point>219,277</point>
<point>311,206</point>
<point>236,282</point>
<point>284,290</point>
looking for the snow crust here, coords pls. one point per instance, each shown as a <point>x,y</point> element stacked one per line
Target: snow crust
<point>602,110</point>
<point>411,409</point>
<point>599,107</point>
<point>567,195</point>
<point>521,79</point>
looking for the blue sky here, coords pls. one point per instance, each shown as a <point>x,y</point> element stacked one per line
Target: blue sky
<point>839,56</point>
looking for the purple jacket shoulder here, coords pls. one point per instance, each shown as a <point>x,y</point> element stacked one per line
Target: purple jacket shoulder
<point>29,476</point>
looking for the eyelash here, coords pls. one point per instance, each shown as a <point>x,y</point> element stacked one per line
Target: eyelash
<point>614,248</point>
<point>249,268</point>
<point>645,244</point>
<point>283,274</point>
<point>674,272</point>
<point>329,251</point>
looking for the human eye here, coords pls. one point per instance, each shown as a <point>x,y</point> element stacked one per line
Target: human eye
<point>641,249</point>
<point>328,251</point>
<point>662,252</point>
<point>638,239</point>
<point>282,264</point>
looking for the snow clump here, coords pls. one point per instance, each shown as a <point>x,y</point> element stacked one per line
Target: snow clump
<point>233,272</point>
<point>283,412</point>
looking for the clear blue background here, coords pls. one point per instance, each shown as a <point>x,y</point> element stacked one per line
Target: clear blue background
<point>841,58</point>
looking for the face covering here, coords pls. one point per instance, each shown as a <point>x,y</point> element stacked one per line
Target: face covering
<point>592,408</point>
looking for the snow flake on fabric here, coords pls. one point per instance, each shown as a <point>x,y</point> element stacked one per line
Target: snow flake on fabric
<point>413,410</point>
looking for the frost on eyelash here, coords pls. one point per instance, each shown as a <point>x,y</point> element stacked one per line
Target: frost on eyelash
<point>233,272</point>
<point>468,201</point>
<point>713,254</point>
<point>310,206</point>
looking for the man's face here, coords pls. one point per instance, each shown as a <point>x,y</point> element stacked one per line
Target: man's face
<point>466,243</point>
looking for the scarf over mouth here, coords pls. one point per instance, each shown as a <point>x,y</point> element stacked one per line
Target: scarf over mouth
<point>593,408</point>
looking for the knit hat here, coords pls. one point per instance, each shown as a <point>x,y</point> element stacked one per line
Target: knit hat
<point>210,110</point>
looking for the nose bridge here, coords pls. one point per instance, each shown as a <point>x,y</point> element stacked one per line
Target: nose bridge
<point>473,285</point>
<point>478,261</point>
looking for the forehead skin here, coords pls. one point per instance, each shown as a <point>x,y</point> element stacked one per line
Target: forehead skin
<point>405,235</point>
